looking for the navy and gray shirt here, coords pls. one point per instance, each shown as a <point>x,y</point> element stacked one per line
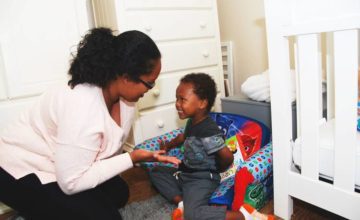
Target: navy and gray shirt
<point>201,142</point>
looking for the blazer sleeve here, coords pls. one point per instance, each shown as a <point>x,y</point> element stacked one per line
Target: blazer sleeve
<point>78,142</point>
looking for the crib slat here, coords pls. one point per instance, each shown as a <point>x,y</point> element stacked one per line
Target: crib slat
<point>345,70</point>
<point>309,70</point>
<point>298,104</point>
<point>330,76</point>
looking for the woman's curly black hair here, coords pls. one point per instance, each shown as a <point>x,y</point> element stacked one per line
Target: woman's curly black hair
<point>102,57</point>
<point>204,87</point>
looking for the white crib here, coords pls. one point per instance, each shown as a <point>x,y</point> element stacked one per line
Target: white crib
<point>326,45</point>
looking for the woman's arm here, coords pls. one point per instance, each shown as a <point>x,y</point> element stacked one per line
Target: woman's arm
<point>76,169</point>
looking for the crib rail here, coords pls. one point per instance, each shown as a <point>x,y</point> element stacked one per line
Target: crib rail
<point>309,72</point>
<point>307,25</point>
<point>350,22</point>
<point>345,60</point>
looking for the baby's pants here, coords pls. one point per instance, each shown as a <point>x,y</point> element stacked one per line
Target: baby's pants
<point>196,189</point>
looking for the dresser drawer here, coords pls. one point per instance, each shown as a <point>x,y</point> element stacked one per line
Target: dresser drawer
<point>164,91</point>
<point>159,121</point>
<point>166,4</point>
<point>171,24</point>
<point>189,55</point>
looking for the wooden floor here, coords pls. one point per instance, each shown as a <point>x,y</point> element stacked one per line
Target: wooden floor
<point>141,189</point>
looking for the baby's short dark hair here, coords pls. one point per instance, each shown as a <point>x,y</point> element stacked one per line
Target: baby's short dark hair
<point>204,87</point>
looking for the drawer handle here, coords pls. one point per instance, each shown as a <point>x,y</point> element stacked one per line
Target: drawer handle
<point>156,92</point>
<point>160,124</point>
<point>205,54</point>
<point>203,25</point>
<point>148,28</point>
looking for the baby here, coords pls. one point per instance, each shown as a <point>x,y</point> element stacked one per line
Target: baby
<point>205,156</point>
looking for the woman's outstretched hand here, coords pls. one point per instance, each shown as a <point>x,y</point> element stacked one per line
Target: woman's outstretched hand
<point>159,156</point>
<point>152,156</point>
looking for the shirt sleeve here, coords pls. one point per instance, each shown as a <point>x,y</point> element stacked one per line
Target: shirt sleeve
<point>213,143</point>
<point>78,142</point>
<point>77,171</point>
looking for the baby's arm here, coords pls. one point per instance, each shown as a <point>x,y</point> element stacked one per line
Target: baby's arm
<point>177,141</point>
<point>224,158</point>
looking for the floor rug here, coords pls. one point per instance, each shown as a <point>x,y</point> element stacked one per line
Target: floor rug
<point>155,208</point>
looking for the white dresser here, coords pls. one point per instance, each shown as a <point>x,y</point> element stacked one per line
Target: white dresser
<point>187,34</point>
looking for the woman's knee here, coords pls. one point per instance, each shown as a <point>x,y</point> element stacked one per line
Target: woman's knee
<point>117,190</point>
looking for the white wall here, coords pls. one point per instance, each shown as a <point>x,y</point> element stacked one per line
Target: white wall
<point>243,22</point>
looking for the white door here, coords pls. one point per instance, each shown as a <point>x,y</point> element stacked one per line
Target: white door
<point>36,40</point>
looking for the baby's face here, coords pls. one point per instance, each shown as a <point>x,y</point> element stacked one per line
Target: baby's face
<point>188,104</point>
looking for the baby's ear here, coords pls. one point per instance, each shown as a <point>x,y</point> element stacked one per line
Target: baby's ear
<point>204,104</point>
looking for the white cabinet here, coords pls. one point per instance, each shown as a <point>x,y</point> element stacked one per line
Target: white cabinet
<point>187,34</point>
<point>36,41</point>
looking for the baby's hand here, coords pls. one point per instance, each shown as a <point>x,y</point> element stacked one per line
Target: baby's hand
<point>164,145</point>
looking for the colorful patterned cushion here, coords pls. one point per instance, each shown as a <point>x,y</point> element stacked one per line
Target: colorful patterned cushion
<point>259,164</point>
<point>257,194</point>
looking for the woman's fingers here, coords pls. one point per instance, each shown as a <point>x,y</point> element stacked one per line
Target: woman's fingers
<point>167,159</point>
<point>160,152</point>
<point>173,160</point>
<point>144,155</point>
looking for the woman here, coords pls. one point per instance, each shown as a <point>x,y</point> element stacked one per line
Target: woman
<point>61,159</point>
